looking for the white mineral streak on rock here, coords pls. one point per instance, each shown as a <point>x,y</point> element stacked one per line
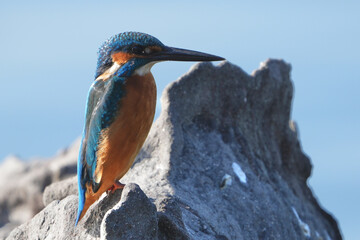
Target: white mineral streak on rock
<point>239,172</point>
<point>304,227</point>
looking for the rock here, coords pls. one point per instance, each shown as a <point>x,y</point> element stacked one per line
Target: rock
<point>9,166</point>
<point>134,217</point>
<point>22,185</point>
<point>95,215</point>
<point>171,225</point>
<point>7,228</point>
<point>56,221</point>
<point>223,161</point>
<point>60,190</point>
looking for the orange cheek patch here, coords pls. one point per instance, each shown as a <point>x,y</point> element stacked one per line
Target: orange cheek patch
<point>122,57</point>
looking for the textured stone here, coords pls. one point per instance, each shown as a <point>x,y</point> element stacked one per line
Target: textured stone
<point>223,161</point>
<point>56,221</point>
<point>22,185</point>
<point>131,218</point>
<point>60,190</point>
<point>213,117</point>
<point>134,217</point>
<point>171,225</point>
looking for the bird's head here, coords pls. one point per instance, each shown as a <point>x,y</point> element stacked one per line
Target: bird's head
<point>135,53</point>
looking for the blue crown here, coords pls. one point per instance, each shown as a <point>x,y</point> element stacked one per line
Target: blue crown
<point>120,42</point>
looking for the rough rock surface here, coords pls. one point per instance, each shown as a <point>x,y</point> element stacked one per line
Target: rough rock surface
<point>60,190</point>
<point>134,217</point>
<point>22,185</point>
<point>223,161</point>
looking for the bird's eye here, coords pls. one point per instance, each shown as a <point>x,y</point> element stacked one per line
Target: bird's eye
<point>148,50</point>
<point>137,49</point>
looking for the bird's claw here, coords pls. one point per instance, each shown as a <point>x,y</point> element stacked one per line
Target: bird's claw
<point>115,186</point>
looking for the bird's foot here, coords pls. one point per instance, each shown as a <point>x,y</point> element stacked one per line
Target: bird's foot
<point>115,186</point>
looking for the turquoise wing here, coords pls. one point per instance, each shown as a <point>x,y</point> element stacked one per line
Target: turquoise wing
<point>101,107</point>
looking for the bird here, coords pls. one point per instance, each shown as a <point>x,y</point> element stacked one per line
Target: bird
<point>120,109</point>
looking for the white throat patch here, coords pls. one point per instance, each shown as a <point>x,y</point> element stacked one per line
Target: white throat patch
<point>142,71</point>
<point>113,68</point>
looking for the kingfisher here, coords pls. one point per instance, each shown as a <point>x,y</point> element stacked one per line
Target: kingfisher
<point>120,110</point>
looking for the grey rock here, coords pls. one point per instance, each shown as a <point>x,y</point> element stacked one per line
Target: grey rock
<point>95,215</point>
<point>7,228</point>
<point>213,118</point>
<point>60,190</point>
<point>217,124</point>
<point>171,224</point>
<point>56,221</point>
<point>134,217</point>
<point>22,185</point>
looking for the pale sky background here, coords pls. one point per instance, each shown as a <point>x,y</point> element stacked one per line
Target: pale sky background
<point>48,58</point>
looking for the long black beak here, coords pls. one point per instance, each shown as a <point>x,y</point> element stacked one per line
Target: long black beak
<point>178,54</point>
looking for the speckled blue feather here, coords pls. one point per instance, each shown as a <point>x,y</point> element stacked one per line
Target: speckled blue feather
<point>122,42</point>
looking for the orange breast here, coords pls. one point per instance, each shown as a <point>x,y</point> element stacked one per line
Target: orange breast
<point>124,138</point>
<point>122,141</point>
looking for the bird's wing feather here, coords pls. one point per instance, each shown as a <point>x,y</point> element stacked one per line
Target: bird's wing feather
<point>87,155</point>
<point>100,110</point>
<point>101,106</point>
<point>96,92</point>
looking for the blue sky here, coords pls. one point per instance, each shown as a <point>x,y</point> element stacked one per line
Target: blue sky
<point>48,56</point>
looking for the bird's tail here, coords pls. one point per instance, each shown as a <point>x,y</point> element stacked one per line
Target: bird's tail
<point>81,204</point>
